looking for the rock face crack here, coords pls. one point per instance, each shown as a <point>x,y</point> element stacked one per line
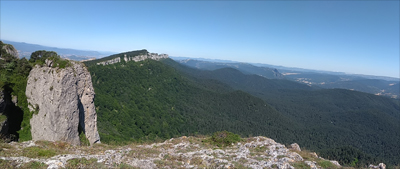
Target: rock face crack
<point>65,98</point>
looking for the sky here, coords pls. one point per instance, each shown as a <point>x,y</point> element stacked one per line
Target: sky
<point>360,37</point>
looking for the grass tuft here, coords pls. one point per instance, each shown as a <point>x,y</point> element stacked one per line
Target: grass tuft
<point>326,164</point>
<point>84,163</point>
<point>301,165</point>
<point>34,165</point>
<point>34,152</point>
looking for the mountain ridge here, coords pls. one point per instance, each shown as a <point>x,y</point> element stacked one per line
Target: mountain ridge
<point>330,81</point>
<point>290,69</point>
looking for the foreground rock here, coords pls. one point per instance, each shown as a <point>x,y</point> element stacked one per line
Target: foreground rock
<point>184,152</point>
<point>380,166</point>
<point>62,99</point>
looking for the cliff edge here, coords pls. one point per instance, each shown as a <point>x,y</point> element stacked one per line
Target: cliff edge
<point>63,102</point>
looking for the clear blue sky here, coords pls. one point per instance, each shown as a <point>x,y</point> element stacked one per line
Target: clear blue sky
<point>347,36</point>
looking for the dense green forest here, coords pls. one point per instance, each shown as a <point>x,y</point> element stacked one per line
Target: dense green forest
<point>332,118</point>
<point>151,99</point>
<point>154,100</point>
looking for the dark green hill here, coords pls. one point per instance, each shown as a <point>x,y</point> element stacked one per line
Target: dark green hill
<point>148,99</point>
<point>331,118</point>
<point>351,82</point>
<point>243,67</point>
<point>241,81</point>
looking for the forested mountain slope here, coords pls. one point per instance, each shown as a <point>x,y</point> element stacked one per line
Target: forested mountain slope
<point>161,99</point>
<point>148,99</point>
<point>330,118</point>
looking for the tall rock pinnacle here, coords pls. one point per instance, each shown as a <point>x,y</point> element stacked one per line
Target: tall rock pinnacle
<point>63,102</point>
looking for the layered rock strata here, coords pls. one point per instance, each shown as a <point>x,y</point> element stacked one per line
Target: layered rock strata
<point>138,58</point>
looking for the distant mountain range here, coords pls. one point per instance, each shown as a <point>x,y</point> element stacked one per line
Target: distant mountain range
<point>378,85</point>
<point>246,68</point>
<point>284,69</point>
<point>26,49</point>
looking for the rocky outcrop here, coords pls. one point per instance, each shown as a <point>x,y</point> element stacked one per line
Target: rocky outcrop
<point>380,166</point>
<point>295,147</point>
<point>154,56</point>
<point>10,50</point>
<point>137,58</point>
<point>62,102</point>
<point>183,152</point>
<point>111,61</point>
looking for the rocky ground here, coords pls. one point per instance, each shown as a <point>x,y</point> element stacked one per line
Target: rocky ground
<point>183,152</point>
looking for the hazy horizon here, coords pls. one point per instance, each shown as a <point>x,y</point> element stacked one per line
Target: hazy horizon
<point>355,37</point>
<point>111,53</point>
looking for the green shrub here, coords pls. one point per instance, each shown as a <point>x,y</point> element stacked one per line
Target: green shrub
<point>326,164</point>
<point>2,117</point>
<point>83,139</point>
<point>64,64</point>
<point>59,62</point>
<point>224,138</point>
<point>125,166</point>
<point>34,165</point>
